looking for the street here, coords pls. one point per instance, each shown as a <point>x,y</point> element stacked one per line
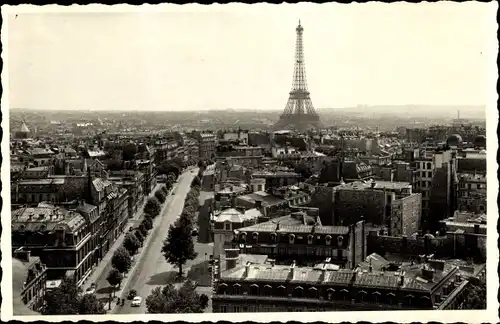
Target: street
<point>152,269</point>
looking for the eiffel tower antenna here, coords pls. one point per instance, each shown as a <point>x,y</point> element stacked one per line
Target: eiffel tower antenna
<point>299,113</point>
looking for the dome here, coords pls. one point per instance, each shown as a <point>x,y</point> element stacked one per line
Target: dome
<point>454,140</point>
<point>480,141</point>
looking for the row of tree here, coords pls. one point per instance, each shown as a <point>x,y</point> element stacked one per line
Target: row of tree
<point>122,258</point>
<point>178,248</point>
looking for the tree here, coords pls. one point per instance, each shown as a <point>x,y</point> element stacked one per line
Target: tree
<point>171,300</point>
<point>160,195</point>
<point>172,176</point>
<point>148,223</point>
<point>304,170</point>
<point>201,164</point>
<point>152,207</point>
<point>130,150</point>
<point>476,297</point>
<point>193,202</point>
<point>121,260</point>
<point>62,300</point>
<point>169,167</point>
<point>131,243</point>
<point>189,210</point>
<point>139,236</point>
<point>203,301</point>
<point>178,247</point>
<point>114,278</point>
<point>166,188</point>
<point>89,304</point>
<point>196,181</point>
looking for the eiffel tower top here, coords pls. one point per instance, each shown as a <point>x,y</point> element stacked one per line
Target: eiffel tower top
<point>299,112</point>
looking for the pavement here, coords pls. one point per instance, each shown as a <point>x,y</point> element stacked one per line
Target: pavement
<point>151,269</point>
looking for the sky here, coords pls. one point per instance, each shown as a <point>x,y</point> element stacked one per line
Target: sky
<point>241,56</point>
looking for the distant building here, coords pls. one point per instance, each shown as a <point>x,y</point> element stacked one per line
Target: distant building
<point>206,144</point>
<point>383,203</point>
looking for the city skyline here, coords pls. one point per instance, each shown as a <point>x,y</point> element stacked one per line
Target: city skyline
<point>80,65</point>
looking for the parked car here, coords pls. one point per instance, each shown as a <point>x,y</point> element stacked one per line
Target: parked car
<point>137,301</point>
<point>132,294</point>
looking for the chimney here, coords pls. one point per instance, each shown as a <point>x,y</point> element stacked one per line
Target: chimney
<point>437,265</point>
<point>232,256</point>
<point>370,268</point>
<point>247,269</point>
<point>428,274</point>
<point>233,201</point>
<point>476,228</point>
<point>258,204</point>
<point>292,269</point>
<point>402,278</point>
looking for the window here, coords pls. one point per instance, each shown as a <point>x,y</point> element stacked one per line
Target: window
<point>292,238</point>
<point>236,289</point>
<point>309,239</point>
<point>429,174</point>
<point>328,240</point>
<point>237,309</point>
<point>429,165</point>
<point>227,226</point>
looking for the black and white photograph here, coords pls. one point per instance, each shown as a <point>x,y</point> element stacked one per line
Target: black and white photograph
<point>307,162</point>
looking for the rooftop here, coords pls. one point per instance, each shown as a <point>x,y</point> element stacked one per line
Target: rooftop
<point>235,216</point>
<point>273,226</point>
<point>264,197</point>
<point>36,219</point>
<point>379,184</point>
<point>342,277</point>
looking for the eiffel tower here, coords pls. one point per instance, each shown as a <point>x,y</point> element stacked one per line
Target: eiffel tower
<point>299,113</point>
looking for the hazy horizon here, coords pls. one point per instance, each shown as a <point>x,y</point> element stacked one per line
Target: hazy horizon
<point>241,57</point>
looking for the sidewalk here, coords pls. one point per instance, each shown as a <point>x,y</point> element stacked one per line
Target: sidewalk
<point>99,269</point>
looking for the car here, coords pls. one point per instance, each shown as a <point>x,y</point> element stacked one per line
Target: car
<point>90,291</point>
<point>132,294</point>
<point>137,301</point>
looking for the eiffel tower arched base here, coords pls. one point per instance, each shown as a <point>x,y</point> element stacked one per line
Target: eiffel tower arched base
<point>300,123</point>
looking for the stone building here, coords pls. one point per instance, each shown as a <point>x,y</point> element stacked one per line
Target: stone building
<point>61,238</point>
<point>267,287</point>
<point>380,203</point>
<point>471,195</point>
<point>304,243</point>
<point>29,276</point>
